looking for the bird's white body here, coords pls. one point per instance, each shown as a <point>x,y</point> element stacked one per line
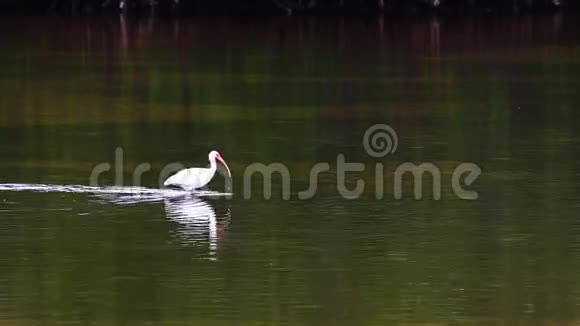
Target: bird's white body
<point>193,178</point>
<point>196,178</point>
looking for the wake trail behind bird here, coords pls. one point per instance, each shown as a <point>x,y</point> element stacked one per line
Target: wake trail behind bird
<point>123,194</point>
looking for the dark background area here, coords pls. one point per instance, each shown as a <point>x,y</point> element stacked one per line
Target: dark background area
<point>189,7</point>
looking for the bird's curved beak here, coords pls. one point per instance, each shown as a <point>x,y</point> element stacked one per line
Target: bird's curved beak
<point>219,158</point>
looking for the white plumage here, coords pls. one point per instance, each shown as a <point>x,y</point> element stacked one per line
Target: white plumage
<point>196,178</point>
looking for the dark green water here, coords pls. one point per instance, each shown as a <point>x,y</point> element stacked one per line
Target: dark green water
<point>501,93</point>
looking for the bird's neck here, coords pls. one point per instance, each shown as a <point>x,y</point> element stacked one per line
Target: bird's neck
<point>212,165</point>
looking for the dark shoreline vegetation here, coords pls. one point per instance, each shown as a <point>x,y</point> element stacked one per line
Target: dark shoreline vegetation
<point>281,7</point>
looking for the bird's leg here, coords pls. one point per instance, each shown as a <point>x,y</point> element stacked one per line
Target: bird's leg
<point>204,188</point>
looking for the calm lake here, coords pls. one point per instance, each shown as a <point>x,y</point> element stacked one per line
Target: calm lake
<point>502,93</point>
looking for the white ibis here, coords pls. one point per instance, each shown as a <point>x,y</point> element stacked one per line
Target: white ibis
<point>196,178</point>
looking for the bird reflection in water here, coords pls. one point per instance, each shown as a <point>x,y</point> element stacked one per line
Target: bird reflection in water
<point>197,220</point>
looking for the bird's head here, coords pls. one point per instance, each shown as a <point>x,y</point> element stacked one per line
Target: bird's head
<point>215,155</point>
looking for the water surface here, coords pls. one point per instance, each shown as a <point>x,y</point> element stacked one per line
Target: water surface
<point>499,92</point>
